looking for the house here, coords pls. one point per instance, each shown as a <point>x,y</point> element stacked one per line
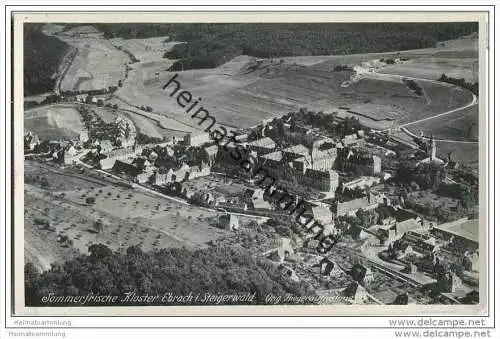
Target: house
<point>295,151</point>
<point>326,181</point>
<point>262,146</point>
<point>293,164</point>
<point>289,274</point>
<point>127,166</point>
<point>361,183</point>
<point>202,198</point>
<point>144,177</point>
<point>261,204</point>
<point>323,159</point>
<point>420,241</point>
<point>211,154</point>
<point>352,206</point>
<point>83,136</point>
<point>356,292</point>
<point>152,156</point>
<point>241,137</point>
<point>351,140</point>
<point>31,140</point>
<point>198,171</point>
<point>280,250</point>
<point>118,154</point>
<point>364,164</point>
<point>322,214</point>
<point>463,233</point>
<point>328,268</point>
<point>106,146</point>
<point>70,155</point>
<point>257,193</point>
<point>393,230</point>
<point>229,222</point>
<point>231,205</point>
<point>197,138</point>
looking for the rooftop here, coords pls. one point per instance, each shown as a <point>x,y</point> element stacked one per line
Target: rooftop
<point>264,142</point>
<point>352,205</point>
<point>212,149</point>
<point>465,228</point>
<point>297,149</point>
<point>276,156</point>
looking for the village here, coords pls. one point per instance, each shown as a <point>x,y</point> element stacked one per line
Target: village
<point>366,187</point>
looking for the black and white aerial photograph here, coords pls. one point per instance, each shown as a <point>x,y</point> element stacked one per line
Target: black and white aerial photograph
<point>252,164</point>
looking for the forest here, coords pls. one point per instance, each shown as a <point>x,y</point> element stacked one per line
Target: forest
<point>42,56</point>
<point>209,45</point>
<point>218,270</point>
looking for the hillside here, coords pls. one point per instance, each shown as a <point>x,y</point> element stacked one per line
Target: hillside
<point>42,56</point>
<point>210,45</point>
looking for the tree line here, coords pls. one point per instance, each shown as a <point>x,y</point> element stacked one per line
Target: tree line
<point>473,87</point>
<point>209,45</point>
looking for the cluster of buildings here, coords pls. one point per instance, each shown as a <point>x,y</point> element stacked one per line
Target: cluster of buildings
<point>105,143</point>
<point>62,151</point>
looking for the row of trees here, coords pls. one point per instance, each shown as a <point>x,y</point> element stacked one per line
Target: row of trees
<point>473,87</point>
<point>414,86</point>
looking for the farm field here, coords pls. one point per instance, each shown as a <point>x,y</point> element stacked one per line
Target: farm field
<point>53,121</point>
<point>129,217</point>
<point>462,125</point>
<point>145,49</point>
<point>145,125</point>
<point>457,58</point>
<point>246,91</point>
<point>241,100</point>
<point>433,67</point>
<point>154,124</point>
<point>97,65</point>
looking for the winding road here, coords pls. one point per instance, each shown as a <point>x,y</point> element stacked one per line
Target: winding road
<point>473,102</point>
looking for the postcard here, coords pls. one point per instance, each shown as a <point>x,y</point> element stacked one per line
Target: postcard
<point>220,163</point>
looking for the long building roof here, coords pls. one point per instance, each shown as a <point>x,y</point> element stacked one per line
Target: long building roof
<point>264,143</point>
<point>468,229</point>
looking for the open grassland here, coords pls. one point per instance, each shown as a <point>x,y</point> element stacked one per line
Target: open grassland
<point>129,217</point>
<point>53,121</point>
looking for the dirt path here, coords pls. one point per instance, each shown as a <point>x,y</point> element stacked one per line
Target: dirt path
<point>65,64</point>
